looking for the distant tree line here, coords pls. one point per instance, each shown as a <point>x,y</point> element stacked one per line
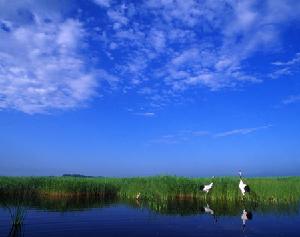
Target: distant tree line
<point>77,175</point>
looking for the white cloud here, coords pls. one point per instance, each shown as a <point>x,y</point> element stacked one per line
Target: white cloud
<point>41,67</point>
<point>103,3</point>
<point>196,45</point>
<point>167,46</point>
<point>187,56</point>
<point>145,114</point>
<point>157,39</point>
<point>117,17</point>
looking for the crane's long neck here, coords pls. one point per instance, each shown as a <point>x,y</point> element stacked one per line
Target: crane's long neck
<point>240,174</point>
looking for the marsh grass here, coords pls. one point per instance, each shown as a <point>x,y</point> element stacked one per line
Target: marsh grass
<point>269,190</point>
<point>56,186</point>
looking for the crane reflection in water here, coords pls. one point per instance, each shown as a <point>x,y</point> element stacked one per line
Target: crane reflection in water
<point>246,215</point>
<point>206,209</point>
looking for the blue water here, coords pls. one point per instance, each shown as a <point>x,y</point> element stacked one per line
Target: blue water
<point>124,220</point>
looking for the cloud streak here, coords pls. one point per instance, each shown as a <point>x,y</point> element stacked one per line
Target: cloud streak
<point>291,99</point>
<point>284,68</point>
<point>146,114</point>
<point>240,131</point>
<point>188,135</point>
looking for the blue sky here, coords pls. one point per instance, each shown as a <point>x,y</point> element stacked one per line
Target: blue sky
<point>126,88</point>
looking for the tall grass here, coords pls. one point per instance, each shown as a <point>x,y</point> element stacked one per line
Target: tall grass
<point>280,189</point>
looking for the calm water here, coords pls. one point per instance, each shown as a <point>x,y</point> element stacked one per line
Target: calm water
<point>67,218</point>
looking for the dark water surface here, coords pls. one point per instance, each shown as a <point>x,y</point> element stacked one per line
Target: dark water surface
<point>67,218</point>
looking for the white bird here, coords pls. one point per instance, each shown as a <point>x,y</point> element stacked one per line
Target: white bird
<point>242,186</point>
<point>137,197</point>
<point>207,188</point>
<point>246,215</point>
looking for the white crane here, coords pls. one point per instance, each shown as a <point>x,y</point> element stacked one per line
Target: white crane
<point>207,188</point>
<point>242,186</point>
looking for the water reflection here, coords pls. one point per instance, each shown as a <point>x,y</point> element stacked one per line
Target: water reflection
<point>246,215</point>
<point>206,209</point>
<point>45,214</point>
<point>16,231</point>
<point>164,207</point>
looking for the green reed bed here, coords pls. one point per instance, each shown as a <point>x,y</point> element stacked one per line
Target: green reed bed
<point>280,189</point>
<point>55,186</point>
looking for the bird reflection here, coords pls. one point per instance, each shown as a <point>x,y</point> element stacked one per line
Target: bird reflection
<point>138,203</point>
<point>246,215</point>
<point>206,209</point>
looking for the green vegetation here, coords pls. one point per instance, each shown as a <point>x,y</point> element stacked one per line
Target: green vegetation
<point>274,190</point>
<point>56,187</point>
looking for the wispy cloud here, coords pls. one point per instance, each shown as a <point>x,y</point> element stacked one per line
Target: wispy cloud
<point>145,114</point>
<point>240,131</point>
<point>181,136</point>
<point>103,3</point>
<point>189,135</point>
<point>291,99</point>
<point>196,62</point>
<point>293,61</point>
<point>286,67</point>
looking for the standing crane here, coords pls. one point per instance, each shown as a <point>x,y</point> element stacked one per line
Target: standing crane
<point>243,186</point>
<point>207,188</point>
